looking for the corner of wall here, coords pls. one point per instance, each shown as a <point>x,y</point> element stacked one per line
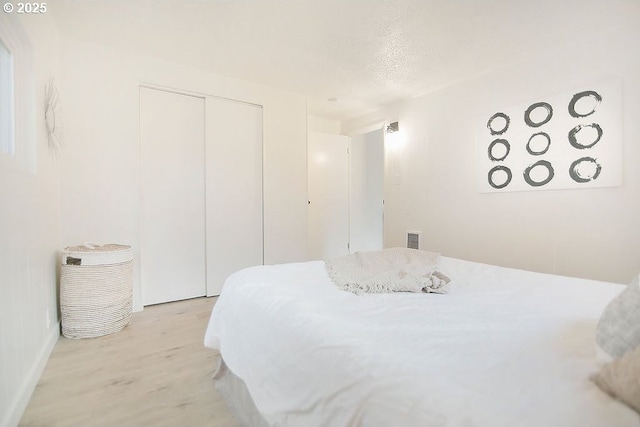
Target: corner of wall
<point>17,407</point>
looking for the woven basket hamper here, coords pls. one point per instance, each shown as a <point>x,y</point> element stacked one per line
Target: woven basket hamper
<point>96,290</point>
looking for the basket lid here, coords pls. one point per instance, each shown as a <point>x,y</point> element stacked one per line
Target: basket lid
<point>92,254</point>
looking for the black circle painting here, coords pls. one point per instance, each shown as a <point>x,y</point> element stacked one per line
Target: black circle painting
<point>568,140</point>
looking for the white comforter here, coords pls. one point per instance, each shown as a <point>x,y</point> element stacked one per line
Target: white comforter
<point>504,348</point>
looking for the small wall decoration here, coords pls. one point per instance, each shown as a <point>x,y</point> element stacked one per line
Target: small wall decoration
<point>52,117</point>
<point>572,140</point>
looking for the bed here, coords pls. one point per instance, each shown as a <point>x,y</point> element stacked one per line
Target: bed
<point>503,347</point>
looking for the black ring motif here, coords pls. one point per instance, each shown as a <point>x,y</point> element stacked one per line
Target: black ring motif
<point>496,169</point>
<point>574,141</point>
<point>527,173</point>
<point>578,96</point>
<point>493,144</point>
<point>574,172</point>
<point>498,131</point>
<point>544,150</point>
<point>527,114</point>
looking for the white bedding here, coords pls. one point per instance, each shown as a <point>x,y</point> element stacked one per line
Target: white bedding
<point>505,347</point>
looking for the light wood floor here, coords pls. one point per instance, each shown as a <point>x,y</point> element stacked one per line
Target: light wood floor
<point>155,372</point>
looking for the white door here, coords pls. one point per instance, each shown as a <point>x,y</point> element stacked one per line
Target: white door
<point>328,188</point>
<point>234,189</point>
<point>172,241</point>
<point>366,191</point>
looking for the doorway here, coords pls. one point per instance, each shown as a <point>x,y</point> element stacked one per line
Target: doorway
<point>346,193</point>
<point>366,191</point>
<point>328,188</point>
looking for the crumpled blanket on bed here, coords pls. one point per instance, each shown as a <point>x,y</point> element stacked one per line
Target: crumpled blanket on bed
<point>388,270</point>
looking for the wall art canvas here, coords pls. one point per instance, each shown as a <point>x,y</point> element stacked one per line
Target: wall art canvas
<point>566,141</point>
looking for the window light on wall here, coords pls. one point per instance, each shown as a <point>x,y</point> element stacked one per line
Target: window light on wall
<point>7,122</point>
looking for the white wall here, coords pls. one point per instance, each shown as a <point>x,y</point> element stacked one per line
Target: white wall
<point>29,243</point>
<point>320,124</point>
<point>100,164</point>
<point>593,233</point>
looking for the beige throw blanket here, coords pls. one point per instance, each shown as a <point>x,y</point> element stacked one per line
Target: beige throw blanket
<point>388,270</point>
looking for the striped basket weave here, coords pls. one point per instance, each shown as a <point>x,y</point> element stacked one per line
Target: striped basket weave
<point>96,290</point>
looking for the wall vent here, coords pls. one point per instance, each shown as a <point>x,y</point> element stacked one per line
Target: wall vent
<point>413,239</point>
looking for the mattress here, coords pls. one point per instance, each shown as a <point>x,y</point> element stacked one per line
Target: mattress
<point>504,347</point>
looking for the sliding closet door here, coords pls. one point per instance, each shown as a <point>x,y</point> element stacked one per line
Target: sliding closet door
<point>172,149</point>
<point>234,189</point>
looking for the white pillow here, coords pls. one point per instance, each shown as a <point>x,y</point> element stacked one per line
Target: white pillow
<point>618,330</point>
<point>621,378</point>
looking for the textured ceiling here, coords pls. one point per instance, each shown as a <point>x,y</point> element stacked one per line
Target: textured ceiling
<point>366,53</point>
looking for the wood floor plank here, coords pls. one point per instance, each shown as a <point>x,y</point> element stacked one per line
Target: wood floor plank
<point>155,372</point>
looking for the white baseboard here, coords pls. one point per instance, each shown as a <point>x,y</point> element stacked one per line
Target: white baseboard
<point>21,400</point>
